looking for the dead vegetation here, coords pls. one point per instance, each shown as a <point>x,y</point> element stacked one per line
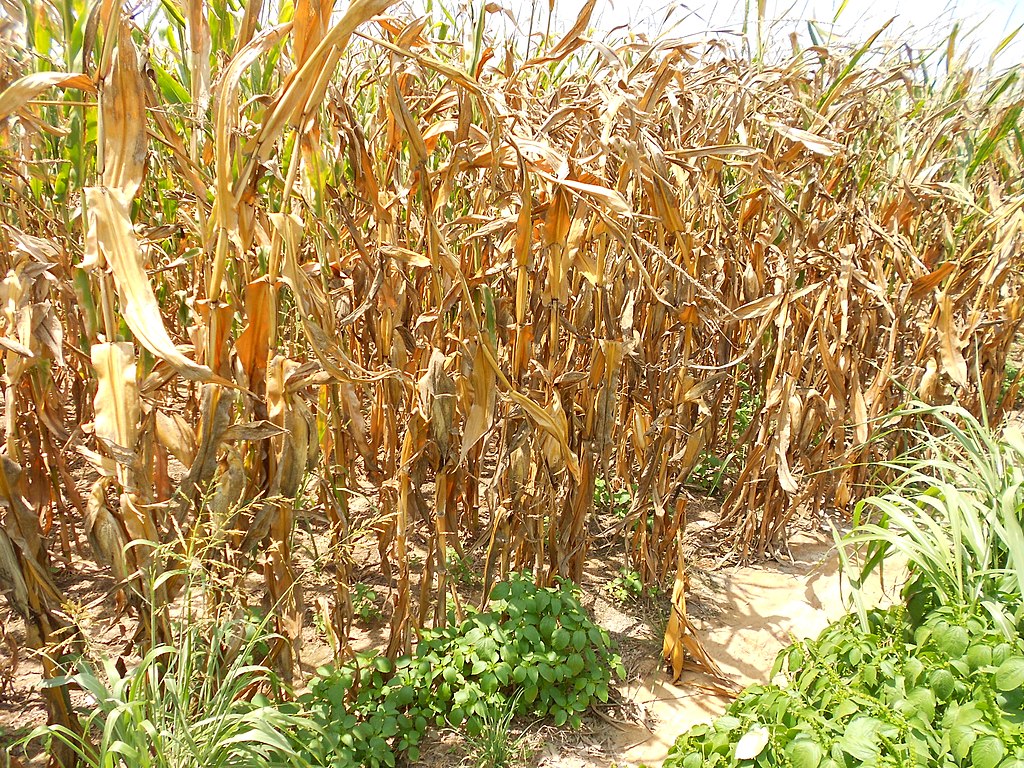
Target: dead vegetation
<point>253,258</point>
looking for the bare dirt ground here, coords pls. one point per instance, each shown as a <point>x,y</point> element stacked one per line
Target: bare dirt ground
<point>744,616</point>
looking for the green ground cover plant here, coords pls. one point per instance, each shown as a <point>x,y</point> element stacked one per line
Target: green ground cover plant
<point>364,602</point>
<point>534,651</point>
<point>615,501</point>
<point>628,587</point>
<point>945,692</point>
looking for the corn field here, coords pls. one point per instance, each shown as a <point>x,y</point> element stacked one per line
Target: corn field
<point>259,256</point>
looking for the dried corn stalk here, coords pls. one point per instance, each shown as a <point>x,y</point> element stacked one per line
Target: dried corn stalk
<point>478,287</point>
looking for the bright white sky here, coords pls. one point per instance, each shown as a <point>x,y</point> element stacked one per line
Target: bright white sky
<point>918,22</point>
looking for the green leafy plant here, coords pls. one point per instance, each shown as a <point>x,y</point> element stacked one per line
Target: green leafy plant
<point>941,693</point>
<point>1011,379</point>
<point>534,651</point>
<point>749,404</point>
<point>366,713</point>
<point>709,473</point>
<point>619,503</point>
<point>460,568</point>
<point>364,602</point>
<point>537,640</point>
<point>628,586</point>
<point>615,501</point>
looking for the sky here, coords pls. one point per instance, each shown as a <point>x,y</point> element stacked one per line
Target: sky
<point>917,22</point>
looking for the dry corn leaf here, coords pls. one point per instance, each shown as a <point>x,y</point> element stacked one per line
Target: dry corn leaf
<point>571,40</point>
<point>819,145</point>
<point>23,90</point>
<point>309,24</point>
<point>200,42</point>
<point>106,534</point>
<point>253,344</point>
<point>122,101</point>
<point>950,343</point>
<point>117,403</point>
<point>304,89</point>
<point>227,115</point>
<point>228,494</point>
<point>111,240</point>
<point>925,284</point>
<point>681,640</point>
<point>481,413</point>
<point>176,435</point>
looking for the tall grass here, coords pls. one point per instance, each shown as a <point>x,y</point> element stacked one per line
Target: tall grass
<point>204,699</point>
<point>954,513</point>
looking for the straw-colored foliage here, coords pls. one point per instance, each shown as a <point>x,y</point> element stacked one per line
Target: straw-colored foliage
<point>256,254</point>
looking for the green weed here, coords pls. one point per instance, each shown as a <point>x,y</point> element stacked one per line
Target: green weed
<point>944,692</point>
<point>616,502</point>
<point>364,602</point>
<point>534,651</point>
<point>495,746</point>
<point>628,587</point>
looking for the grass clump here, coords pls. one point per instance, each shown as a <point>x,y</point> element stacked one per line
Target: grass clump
<point>495,746</point>
<point>204,699</point>
<point>954,512</point>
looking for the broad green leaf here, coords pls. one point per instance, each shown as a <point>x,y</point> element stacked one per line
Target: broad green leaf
<point>804,753</point>
<point>987,752</point>
<point>752,743</point>
<point>1010,674</point>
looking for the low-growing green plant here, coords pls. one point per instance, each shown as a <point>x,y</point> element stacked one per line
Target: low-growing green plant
<point>708,474</point>
<point>366,712</point>
<point>619,503</point>
<point>536,639</point>
<point>615,501</point>
<point>1011,379</point>
<point>946,692</point>
<point>364,602</point>
<point>628,586</point>
<point>460,568</point>
<point>534,651</point>
<point>253,631</point>
<point>562,653</point>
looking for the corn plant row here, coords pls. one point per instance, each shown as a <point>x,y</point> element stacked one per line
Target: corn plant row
<point>259,256</point>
